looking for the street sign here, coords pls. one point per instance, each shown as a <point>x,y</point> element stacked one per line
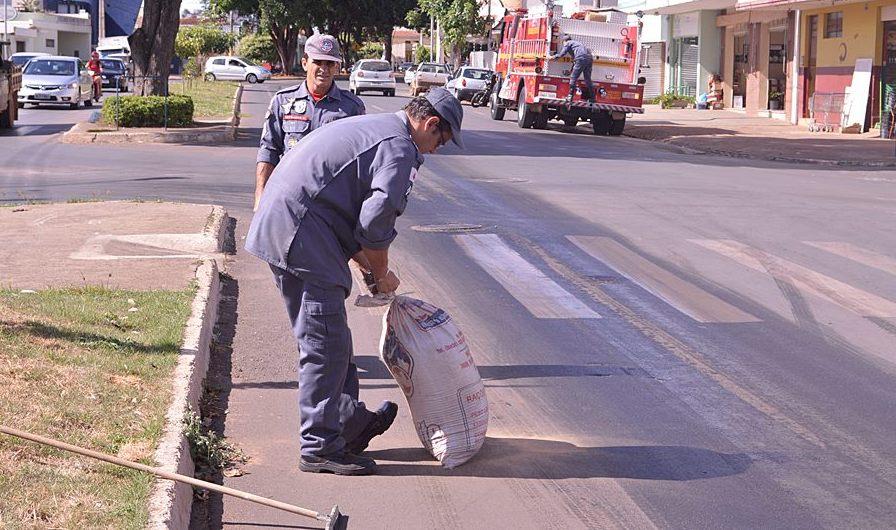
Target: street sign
<point>7,10</point>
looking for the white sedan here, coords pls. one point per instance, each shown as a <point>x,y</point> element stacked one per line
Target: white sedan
<point>466,81</point>
<point>372,74</point>
<point>56,80</point>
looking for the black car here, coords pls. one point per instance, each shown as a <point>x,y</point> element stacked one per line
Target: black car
<point>115,74</point>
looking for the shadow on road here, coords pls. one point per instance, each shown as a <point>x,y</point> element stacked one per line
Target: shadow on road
<point>527,458</point>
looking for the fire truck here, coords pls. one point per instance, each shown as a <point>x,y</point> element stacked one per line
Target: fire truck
<point>529,81</point>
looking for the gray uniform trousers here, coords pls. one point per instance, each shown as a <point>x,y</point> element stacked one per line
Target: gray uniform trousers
<point>330,412</point>
<point>581,66</point>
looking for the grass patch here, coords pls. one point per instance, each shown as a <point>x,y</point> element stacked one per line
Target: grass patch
<point>92,367</point>
<point>211,99</point>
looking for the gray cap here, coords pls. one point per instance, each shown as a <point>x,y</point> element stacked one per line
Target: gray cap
<point>323,48</point>
<point>448,108</point>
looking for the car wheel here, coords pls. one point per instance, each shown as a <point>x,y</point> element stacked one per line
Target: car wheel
<point>616,126</point>
<point>391,93</point>
<point>88,102</point>
<point>76,104</point>
<point>209,76</point>
<point>252,79</point>
<point>260,81</point>
<point>601,122</point>
<point>21,105</point>
<point>496,111</point>
<point>525,117</point>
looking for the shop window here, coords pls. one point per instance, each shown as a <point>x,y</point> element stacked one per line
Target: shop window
<point>51,43</point>
<point>833,25</point>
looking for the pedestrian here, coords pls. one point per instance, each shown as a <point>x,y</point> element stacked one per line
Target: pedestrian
<point>333,197</point>
<point>297,110</point>
<point>582,61</point>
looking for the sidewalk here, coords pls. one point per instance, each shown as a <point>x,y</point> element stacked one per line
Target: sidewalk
<point>729,133</point>
<point>130,245</point>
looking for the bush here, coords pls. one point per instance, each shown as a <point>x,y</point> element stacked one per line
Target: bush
<point>421,54</point>
<point>258,49</point>
<point>672,100</point>
<point>371,50</point>
<point>149,111</point>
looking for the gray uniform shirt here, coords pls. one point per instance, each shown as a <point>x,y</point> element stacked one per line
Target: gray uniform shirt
<point>293,113</point>
<point>340,189</point>
<point>578,51</point>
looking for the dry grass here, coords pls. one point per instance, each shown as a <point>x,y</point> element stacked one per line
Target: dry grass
<point>91,367</point>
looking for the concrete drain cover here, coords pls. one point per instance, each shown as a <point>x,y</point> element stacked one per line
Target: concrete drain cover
<point>513,180</point>
<point>447,228</point>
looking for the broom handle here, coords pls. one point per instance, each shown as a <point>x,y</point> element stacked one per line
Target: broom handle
<point>163,474</point>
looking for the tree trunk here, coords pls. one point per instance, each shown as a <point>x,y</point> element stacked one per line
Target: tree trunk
<point>387,46</point>
<point>152,46</point>
<point>286,39</point>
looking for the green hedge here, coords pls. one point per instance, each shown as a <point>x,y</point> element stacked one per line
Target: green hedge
<point>148,111</point>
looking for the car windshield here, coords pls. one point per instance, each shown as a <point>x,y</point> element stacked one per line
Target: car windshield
<point>50,67</point>
<point>376,66</point>
<point>112,65</point>
<point>436,68</point>
<point>476,74</point>
<point>19,60</point>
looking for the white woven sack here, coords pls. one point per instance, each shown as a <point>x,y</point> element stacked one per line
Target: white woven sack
<point>428,356</point>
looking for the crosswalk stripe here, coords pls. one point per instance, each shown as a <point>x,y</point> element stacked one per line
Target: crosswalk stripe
<point>680,294</point>
<point>543,297</point>
<point>835,291</point>
<point>858,254</point>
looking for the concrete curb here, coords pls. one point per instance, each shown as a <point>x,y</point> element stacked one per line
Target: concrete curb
<point>170,503</point>
<point>216,228</point>
<point>769,158</point>
<point>224,131</point>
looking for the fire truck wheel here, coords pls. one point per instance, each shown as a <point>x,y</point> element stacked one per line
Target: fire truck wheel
<point>541,120</point>
<point>497,112</point>
<point>6,119</point>
<point>616,126</point>
<point>570,121</point>
<point>525,117</point>
<point>601,122</point>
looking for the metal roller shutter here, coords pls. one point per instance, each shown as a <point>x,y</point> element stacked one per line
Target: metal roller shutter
<point>686,67</point>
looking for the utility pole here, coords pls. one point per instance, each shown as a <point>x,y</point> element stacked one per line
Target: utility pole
<point>432,32</point>
<point>101,20</point>
<point>438,42</point>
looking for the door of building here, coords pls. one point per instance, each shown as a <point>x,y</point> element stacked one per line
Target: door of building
<point>811,62</point>
<point>739,82</point>
<point>653,66</point>
<point>685,66</point>
<point>888,81</point>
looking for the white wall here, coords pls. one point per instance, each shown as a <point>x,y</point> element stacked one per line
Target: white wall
<point>70,42</point>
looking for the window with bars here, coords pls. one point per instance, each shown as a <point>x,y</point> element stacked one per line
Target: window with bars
<point>833,25</point>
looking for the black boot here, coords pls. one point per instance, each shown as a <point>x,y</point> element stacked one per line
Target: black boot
<point>380,423</point>
<point>342,464</point>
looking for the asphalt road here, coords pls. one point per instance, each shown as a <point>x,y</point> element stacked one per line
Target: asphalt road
<point>667,340</point>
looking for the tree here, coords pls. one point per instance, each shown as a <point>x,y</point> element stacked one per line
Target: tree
<point>422,54</point>
<point>457,20</point>
<point>257,48</point>
<point>382,18</point>
<point>152,46</point>
<point>194,41</point>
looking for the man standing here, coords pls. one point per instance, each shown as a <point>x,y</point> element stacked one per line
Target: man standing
<point>582,60</point>
<point>332,198</point>
<point>297,110</point>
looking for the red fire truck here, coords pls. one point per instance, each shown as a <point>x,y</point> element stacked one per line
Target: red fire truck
<point>536,86</point>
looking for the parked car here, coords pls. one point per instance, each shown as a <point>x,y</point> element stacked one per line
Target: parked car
<point>372,74</point>
<point>21,58</point>
<point>409,74</point>
<point>466,81</point>
<point>56,80</point>
<point>403,67</point>
<point>115,74</point>
<point>235,68</point>
<point>429,75</point>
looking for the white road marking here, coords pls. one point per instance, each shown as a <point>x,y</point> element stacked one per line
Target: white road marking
<point>680,294</point>
<point>543,297</point>
<point>835,291</point>
<point>859,254</point>
<point>170,246</point>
